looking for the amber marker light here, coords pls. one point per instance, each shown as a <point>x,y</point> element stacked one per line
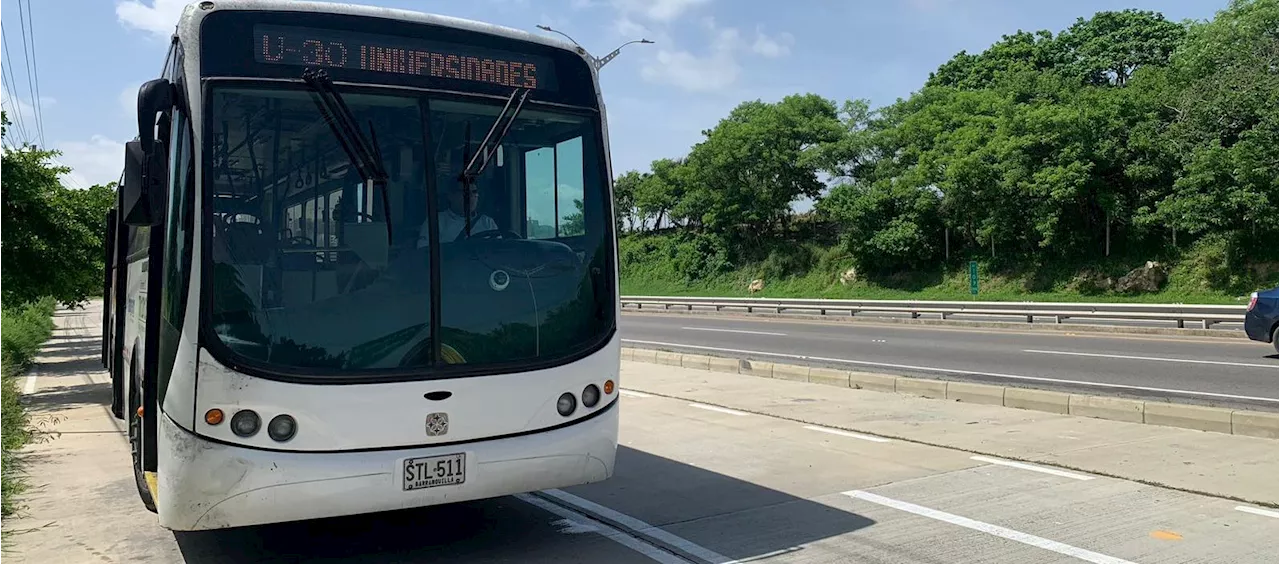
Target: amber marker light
<point>213,416</point>
<point>608,387</point>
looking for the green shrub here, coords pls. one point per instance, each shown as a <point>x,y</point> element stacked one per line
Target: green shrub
<point>22,330</point>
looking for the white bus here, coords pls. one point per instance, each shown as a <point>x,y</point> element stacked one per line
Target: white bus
<point>362,260</point>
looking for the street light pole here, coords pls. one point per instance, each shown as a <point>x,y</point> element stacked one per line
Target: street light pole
<point>597,62</point>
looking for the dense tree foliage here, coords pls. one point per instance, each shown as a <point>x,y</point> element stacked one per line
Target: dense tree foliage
<point>53,235</point>
<point>1124,133</point>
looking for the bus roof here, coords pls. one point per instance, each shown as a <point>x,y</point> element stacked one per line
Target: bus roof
<point>192,14</point>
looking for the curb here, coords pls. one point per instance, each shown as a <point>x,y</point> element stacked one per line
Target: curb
<point>1185,416</point>
<point>1232,335</point>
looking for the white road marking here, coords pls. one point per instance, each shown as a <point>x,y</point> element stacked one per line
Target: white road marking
<point>1158,359</point>
<point>996,530</point>
<point>637,526</point>
<point>955,371</point>
<point>719,409</point>
<point>734,331</point>
<point>871,438</point>
<point>1031,467</point>
<point>583,522</point>
<point>632,394</point>
<point>29,387</point>
<point>1256,511</point>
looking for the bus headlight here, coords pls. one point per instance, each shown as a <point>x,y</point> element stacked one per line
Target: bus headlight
<point>245,423</point>
<point>590,396</point>
<point>281,428</point>
<point>566,404</point>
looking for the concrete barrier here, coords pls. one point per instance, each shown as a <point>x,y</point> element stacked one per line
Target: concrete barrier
<point>969,392</point>
<point>791,372</point>
<point>1199,417</point>
<point>936,389</point>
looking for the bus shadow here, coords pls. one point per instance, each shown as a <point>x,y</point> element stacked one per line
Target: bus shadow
<point>732,517</point>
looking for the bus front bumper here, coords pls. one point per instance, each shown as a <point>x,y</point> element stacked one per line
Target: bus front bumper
<point>207,485</point>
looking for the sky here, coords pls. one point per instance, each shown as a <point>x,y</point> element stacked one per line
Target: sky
<point>87,58</point>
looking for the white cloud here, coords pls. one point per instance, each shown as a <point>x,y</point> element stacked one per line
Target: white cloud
<point>657,10</point>
<point>97,161</point>
<point>160,18</point>
<point>772,47</point>
<point>691,72</point>
<point>719,68</point>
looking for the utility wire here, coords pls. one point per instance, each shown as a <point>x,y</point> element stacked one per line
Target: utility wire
<point>35,69</point>
<point>31,83</point>
<point>14,102</point>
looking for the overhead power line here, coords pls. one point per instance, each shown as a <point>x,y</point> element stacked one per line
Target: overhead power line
<point>31,82</point>
<point>35,69</point>
<point>15,103</point>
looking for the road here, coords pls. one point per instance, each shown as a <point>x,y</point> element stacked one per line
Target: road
<point>1222,372</point>
<point>695,483</point>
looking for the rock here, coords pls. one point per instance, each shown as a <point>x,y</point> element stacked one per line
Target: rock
<point>1146,278</point>
<point>1091,282</point>
<point>849,276</point>
<point>756,285</point>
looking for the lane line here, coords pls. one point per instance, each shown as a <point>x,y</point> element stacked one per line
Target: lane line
<point>29,387</point>
<point>735,331</point>
<point>871,438</point>
<point>1030,467</point>
<point>1184,360</point>
<point>632,394</point>
<point>637,526</point>
<point>995,530</point>
<point>1256,511</point>
<point>954,371</point>
<point>717,409</point>
<point>583,523</point>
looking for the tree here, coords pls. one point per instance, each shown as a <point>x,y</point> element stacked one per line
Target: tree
<point>756,162</point>
<point>53,235</point>
<point>1107,48</point>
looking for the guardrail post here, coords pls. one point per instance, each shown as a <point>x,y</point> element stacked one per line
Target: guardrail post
<point>915,315</point>
<point>748,309</point>
<point>1181,324</point>
<point>1057,320</point>
<point>1206,323</point>
<point>690,306</point>
<point>1031,319</point>
<point>822,312</point>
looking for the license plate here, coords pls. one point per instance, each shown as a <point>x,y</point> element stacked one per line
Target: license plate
<point>435,471</point>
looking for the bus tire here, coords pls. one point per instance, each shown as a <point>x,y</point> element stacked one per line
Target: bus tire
<point>135,440</point>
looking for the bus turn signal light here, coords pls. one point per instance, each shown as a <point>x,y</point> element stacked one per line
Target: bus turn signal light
<point>213,416</point>
<point>608,387</point>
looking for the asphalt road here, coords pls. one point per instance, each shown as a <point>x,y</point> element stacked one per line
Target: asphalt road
<point>695,484</point>
<point>1222,372</point>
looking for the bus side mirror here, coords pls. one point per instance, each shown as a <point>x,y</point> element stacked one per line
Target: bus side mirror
<point>154,96</point>
<point>135,205</point>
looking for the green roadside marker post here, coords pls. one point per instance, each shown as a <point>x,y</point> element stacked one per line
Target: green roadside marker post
<point>973,277</point>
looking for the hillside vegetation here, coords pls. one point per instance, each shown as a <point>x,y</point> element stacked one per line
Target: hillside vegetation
<point>1125,144</point>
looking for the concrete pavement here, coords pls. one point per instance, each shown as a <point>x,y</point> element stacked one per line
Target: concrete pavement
<point>1221,372</point>
<point>718,468</point>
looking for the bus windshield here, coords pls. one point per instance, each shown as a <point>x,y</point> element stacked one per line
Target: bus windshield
<point>314,271</point>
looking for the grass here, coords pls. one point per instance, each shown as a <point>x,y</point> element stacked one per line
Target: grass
<point>22,331</point>
<point>810,271</point>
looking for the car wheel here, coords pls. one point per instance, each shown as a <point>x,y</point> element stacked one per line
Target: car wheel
<point>1274,342</point>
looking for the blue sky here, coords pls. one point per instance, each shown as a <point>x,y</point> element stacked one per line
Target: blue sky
<point>91,55</point>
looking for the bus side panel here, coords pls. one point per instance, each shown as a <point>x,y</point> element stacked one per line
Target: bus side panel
<point>132,342</point>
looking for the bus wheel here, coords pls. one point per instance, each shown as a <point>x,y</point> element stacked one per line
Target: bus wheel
<point>135,442</point>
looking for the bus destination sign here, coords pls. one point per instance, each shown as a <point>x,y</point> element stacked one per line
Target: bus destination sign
<point>384,54</point>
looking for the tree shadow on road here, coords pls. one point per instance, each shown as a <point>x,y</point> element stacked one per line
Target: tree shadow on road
<point>736,518</point>
<point>68,397</point>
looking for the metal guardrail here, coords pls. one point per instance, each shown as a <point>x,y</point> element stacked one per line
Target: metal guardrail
<point>1206,315</point>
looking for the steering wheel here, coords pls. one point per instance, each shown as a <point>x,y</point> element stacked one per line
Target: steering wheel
<point>496,234</point>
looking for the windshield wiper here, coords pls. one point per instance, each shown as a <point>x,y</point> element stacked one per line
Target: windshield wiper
<point>365,154</point>
<point>475,164</point>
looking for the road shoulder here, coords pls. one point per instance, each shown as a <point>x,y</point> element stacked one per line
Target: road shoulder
<point>1229,466</point>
